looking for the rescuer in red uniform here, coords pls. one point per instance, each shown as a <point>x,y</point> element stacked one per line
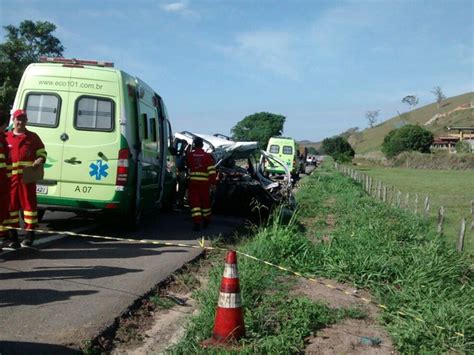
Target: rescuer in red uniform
<point>202,174</point>
<point>4,177</point>
<point>26,149</point>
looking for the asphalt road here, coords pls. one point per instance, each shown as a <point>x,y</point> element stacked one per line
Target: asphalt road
<point>55,298</point>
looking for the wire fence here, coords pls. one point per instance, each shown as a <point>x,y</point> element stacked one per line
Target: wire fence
<point>419,204</point>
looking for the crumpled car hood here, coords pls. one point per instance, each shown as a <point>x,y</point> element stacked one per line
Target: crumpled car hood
<point>220,147</point>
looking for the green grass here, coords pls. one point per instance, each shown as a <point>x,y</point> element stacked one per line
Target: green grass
<point>162,302</point>
<point>275,323</point>
<point>388,251</point>
<point>399,258</point>
<point>454,190</point>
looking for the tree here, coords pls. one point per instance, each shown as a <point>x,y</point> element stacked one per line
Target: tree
<point>338,148</point>
<point>372,117</point>
<point>259,127</point>
<point>463,147</point>
<point>438,93</point>
<point>313,151</point>
<point>24,45</point>
<point>411,100</point>
<point>407,138</point>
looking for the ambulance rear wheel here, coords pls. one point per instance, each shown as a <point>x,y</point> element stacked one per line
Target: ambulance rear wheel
<point>132,219</point>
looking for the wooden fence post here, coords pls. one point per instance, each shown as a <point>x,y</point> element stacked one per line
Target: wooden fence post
<point>407,200</point>
<point>399,197</point>
<point>384,197</point>
<point>416,203</point>
<point>440,219</point>
<point>427,206</point>
<point>379,190</point>
<point>472,214</point>
<point>460,244</point>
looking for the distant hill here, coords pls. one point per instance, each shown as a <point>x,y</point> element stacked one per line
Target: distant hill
<point>454,111</point>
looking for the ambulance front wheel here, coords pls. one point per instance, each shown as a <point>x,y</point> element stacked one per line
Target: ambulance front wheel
<point>41,213</point>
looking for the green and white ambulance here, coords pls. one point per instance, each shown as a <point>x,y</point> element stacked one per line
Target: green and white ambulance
<point>286,150</point>
<point>107,135</point>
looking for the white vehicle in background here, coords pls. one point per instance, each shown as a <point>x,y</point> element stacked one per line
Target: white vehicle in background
<point>242,185</point>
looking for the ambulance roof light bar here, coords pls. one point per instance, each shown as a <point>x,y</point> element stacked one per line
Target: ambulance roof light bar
<point>76,61</point>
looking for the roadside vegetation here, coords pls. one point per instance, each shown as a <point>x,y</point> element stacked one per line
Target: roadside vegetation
<point>426,287</point>
<point>439,160</point>
<point>338,148</point>
<point>453,190</point>
<point>407,138</point>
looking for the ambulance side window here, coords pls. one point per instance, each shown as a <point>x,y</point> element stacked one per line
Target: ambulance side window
<point>94,114</point>
<point>153,129</point>
<point>43,109</point>
<point>145,126</point>
<point>274,149</point>
<point>287,150</point>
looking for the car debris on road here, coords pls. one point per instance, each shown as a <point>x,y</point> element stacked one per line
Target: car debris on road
<point>244,188</point>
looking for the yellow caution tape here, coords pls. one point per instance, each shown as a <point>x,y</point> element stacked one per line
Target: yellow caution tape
<point>201,242</point>
<point>201,245</point>
<point>382,306</point>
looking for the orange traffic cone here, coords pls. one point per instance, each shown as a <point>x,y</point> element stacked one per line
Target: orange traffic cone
<point>229,322</point>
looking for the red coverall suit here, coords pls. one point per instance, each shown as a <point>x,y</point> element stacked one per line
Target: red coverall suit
<point>4,183</point>
<point>202,173</point>
<point>24,150</point>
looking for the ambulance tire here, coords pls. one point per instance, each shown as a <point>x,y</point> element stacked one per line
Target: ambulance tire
<point>41,213</point>
<point>170,200</point>
<point>132,219</point>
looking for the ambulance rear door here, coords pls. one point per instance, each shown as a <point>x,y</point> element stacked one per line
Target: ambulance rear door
<point>91,135</point>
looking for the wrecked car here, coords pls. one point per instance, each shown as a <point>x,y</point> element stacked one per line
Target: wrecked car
<point>243,186</point>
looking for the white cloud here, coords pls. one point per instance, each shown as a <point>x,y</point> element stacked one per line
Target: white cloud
<point>181,8</point>
<point>174,7</point>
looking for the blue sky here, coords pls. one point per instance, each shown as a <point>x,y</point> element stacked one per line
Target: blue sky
<point>320,63</point>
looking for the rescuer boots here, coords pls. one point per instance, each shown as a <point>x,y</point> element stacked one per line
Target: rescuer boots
<point>12,240</point>
<point>28,241</point>
<point>196,227</point>
<point>205,223</point>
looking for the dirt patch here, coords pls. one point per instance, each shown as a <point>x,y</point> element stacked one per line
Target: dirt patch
<point>330,221</point>
<point>330,202</point>
<point>352,336</point>
<point>167,328</point>
<point>159,320</point>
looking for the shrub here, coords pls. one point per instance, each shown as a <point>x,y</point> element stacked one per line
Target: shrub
<point>407,138</point>
<point>338,148</point>
<point>463,147</point>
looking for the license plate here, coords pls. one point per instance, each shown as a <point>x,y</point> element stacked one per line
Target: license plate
<point>41,189</point>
